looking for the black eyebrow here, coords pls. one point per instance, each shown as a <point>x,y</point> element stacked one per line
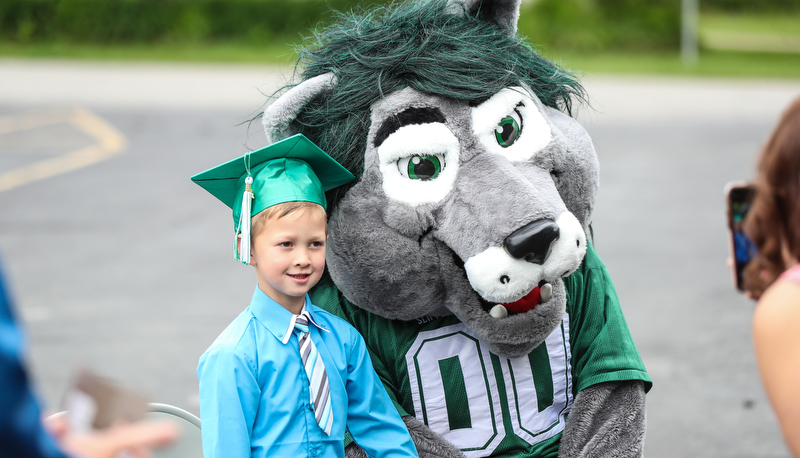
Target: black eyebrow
<point>407,117</point>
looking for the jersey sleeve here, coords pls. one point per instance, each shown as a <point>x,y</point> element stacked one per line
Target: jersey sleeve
<point>601,343</point>
<point>391,389</point>
<point>229,397</point>
<point>372,419</point>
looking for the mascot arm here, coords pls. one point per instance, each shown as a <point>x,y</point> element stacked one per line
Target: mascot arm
<point>607,419</point>
<point>608,414</point>
<point>428,443</point>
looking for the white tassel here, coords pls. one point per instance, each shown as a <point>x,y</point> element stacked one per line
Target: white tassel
<point>243,232</point>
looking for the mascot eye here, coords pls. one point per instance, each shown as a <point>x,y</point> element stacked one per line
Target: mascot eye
<point>512,124</point>
<point>508,130</point>
<point>421,167</point>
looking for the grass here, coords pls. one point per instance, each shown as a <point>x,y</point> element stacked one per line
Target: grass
<point>760,32</point>
<point>274,54</point>
<point>710,64</point>
<point>769,23</point>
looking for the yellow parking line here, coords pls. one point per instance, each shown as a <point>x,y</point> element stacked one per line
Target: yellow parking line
<point>109,143</point>
<point>27,121</point>
<point>111,140</point>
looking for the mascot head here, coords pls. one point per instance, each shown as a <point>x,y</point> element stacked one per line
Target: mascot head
<point>475,186</point>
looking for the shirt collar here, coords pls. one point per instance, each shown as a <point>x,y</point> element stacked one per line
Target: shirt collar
<point>278,320</point>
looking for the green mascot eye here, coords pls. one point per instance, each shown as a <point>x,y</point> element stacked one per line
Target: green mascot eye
<point>507,132</point>
<point>421,167</point>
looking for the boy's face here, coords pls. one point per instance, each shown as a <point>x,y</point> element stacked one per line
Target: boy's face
<point>289,256</point>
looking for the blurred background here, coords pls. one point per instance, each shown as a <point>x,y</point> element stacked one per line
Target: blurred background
<point>119,263</point>
<point>734,37</point>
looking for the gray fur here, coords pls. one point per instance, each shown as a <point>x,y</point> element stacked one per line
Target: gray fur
<point>505,13</point>
<point>606,420</point>
<point>579,176</point>
<point>428,443</point>
<point>370,231</point>
<point>354,451</point>
<point>278,116</point>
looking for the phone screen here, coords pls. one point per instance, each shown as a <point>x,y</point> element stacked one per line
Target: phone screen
<point>739,198</point>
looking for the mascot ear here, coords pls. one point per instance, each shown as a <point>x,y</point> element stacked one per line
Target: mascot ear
<point>278,117</point>
<point>504,13</point>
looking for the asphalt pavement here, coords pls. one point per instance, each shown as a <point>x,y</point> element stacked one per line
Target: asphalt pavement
<point>121,264</point>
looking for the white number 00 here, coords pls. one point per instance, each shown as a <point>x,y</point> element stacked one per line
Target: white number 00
<point>484,415</point>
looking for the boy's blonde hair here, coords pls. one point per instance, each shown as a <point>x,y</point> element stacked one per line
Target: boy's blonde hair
<point>258,222</point>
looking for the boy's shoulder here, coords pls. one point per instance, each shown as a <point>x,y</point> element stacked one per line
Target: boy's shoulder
<point>235,336</point>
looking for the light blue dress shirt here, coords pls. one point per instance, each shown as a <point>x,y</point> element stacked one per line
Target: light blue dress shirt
<point>254,394</point>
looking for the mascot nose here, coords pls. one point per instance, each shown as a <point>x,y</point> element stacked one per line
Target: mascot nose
<point>532,242</point>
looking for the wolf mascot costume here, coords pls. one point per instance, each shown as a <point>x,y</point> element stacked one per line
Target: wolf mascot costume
<point>460,253</point>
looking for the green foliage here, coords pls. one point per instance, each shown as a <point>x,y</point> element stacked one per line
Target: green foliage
<point>151,21</point>
<point>751,5</point>
<point>597,25</point>
<point>587,25</point>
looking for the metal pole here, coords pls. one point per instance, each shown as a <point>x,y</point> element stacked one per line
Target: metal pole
<point>689,25</point>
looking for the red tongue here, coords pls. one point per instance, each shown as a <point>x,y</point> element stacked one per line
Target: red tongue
<point>528,302</point>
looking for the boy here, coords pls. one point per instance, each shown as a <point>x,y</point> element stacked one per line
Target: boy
<point>257,398</point>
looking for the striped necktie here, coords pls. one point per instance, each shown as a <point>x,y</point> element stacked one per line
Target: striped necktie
<point>317,377</point>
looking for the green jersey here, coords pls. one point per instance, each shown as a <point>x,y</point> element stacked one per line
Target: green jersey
<point>437,370</point>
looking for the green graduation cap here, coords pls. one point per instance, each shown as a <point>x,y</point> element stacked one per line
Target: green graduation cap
<point>291,170</point>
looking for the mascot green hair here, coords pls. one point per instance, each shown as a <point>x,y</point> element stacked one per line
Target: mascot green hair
<point>460,252</point>
<point>417,45</point>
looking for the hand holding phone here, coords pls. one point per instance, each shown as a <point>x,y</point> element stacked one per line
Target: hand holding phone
<point>738,199</point>
<point>93,402</point>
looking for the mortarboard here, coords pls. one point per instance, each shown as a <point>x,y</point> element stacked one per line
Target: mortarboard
<point>291,170</point>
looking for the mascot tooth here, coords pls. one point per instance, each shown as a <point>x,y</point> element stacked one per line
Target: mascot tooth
<point>460,252</point>
<point>546,292</point>
<point>498,311</point>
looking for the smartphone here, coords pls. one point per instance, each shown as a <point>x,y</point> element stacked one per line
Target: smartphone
<point>739,197</point>
<point>94,402</point>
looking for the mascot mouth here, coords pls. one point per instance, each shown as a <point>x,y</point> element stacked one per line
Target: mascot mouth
<point>538,295</point>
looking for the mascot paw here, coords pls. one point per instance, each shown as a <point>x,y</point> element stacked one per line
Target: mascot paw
<point>608,420</point>
<point>354,451</point>
<point>428,443</point>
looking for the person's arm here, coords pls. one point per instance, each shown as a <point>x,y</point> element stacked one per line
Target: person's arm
<point>372,418</point>
<point>229,397</point>
<point>22,432</point>
<point>132,440</point>
<point>776,334</point>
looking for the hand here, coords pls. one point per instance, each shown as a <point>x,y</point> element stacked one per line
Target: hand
<point>136,439</point>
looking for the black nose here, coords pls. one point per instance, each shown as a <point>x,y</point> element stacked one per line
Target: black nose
<point>532,241</point>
